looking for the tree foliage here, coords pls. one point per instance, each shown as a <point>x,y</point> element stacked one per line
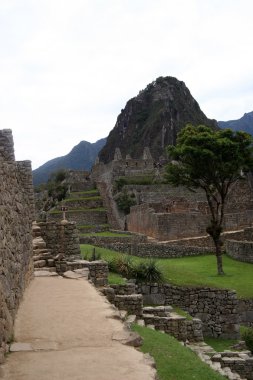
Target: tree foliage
<point>211,160</point>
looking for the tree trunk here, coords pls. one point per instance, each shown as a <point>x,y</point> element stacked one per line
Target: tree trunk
<point>218,254</point>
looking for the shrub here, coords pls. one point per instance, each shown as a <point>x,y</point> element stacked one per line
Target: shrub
<point>120,183</point>
<point>122,265</point>
<point>247,336</point>
<point>125,201</point>
<point>148,272</point>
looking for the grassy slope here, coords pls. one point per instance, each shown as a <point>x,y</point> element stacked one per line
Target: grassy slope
<point>173,361</point>
<point>200,271</point>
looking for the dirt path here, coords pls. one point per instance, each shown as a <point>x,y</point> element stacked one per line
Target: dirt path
<point>70,334</point>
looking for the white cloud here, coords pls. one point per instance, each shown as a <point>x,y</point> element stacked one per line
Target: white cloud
<point>67,68</point>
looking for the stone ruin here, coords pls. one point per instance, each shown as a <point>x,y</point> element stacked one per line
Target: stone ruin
<point>125,166</point>
<point>17,214</point>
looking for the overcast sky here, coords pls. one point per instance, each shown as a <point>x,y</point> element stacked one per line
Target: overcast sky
<point>67,67</point>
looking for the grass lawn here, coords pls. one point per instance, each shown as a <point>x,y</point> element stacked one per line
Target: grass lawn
<point>115,278</point>
<point>93,191</point>
<point>173,361</point>
<point>220,344</point>
<point>84,226</point>
<point>199,271</point>
<point>89,198</point>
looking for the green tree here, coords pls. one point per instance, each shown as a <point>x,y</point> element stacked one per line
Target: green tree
<point>211,160</point>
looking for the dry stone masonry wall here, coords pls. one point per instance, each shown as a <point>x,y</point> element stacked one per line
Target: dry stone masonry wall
<point>217,308</point>
<point>16,254</point>
<point>60,238</point>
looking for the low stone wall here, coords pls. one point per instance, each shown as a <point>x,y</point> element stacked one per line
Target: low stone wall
<point>16,252</point>
<point>217,308</point>
<point>181,328</point>
<point>147,249</point>
<point>113,241</point>
<point>98,269</point>
<point>245,309</point>
<point>60,238</point>
<point>124,297</point>
<point>240,250</point>
<point>132,303</point>
<point>123,290</point>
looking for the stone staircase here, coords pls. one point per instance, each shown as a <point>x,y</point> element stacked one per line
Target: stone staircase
<point>42,256</point>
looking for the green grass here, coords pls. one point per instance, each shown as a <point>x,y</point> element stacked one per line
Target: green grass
<point>106,234</point>
<point>173,361</point>
<point>114,278</point>
<point>94,198</point>
<point>219,344</point>
<point>86,226</point>
<point>200,271</point>
<point>181,312</point>
<point>93,191</point>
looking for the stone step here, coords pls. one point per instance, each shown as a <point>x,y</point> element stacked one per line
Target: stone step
<point>40,264</point>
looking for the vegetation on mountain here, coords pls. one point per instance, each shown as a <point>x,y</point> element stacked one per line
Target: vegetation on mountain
<point>213,161</point>
<point>125,200</point>
<point>153,118</point>
<point>52,192</point>
<point>245,123</point>
<point>81,157</point>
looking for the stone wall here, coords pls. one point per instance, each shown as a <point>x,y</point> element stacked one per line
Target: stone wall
<point>98,270</point>
<point>240,250</point>
<point>60,238</point>
<point>146,249</point>
<point>245,309</point>
<point>82,217</point>
<point>165,226</point>
<point>217,308</point>
<point>132,303</point>
<point>181,328</point>
<point>78,180</point>
<point>168,213</point>
<point>16,254</point>
<point>169,226</point>
<point>239,362</point>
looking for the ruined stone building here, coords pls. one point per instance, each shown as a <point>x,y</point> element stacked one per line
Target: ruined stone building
<point>16,216</point>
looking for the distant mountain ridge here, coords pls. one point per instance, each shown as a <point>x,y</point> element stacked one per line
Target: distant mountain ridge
<point>245,123</point>
<point>81,157</point>
<point>153,118</point>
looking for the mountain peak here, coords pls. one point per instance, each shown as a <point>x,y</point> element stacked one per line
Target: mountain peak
<point>153,118</point>
<point>81,157</point>
<point>245,123</point>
